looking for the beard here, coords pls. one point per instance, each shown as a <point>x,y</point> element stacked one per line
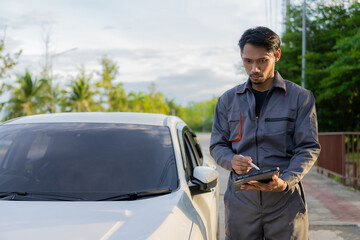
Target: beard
<point>257,81</point>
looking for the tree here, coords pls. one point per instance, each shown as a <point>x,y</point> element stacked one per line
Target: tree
<point>332,65</point>
<point>200,115</point>
<point>80,96</point>
<point>118,101</point>
<point>110,93</point>
<point>156,102</point>
<point>152,102</point>
<point>341,86</point>
<point>7,61</point>
<point>28,98</point>
<point>174,109</point>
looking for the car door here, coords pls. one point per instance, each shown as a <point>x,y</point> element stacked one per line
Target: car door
<point>205,202</point>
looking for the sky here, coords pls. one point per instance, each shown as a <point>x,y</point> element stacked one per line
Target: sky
<point>188,48</point>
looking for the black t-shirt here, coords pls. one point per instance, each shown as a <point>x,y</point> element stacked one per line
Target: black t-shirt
<point>259,100</point>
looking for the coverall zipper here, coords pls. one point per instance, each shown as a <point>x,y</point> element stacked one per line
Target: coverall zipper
<point>256,139</point>
<point>257,154</point>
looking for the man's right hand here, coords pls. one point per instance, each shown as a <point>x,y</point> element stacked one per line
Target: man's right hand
<point>241,164</point>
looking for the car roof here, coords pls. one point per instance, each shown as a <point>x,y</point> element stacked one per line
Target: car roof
<point>98,117</point>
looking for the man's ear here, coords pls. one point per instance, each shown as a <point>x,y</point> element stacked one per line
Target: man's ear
<point>277,55</point>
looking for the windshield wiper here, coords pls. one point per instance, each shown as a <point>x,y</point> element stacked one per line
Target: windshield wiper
<point>137,195</point>
<point>36,196</point>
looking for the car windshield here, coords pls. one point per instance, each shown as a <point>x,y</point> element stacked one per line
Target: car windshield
<point>90,161</point>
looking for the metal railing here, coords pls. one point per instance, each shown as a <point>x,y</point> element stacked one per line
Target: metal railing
<point>340,156</point>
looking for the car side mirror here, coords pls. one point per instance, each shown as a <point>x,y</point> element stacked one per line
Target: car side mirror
<point>204,178</point>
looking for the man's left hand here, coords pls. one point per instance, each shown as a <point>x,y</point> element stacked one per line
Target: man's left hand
<point>276,185</point>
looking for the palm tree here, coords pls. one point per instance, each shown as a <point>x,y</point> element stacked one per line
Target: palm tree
<point>29,98</point>
<point>80,96</point>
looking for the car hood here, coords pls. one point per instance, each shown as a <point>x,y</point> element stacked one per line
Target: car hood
<point>152,218</point>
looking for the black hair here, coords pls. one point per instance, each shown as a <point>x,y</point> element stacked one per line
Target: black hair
<point>260,36</point>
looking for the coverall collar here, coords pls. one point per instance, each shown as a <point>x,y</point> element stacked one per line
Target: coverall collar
<point>279,83</point>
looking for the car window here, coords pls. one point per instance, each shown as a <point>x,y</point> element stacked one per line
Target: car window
<point>197,149</point>
<point>191,158</point>
<point>86,159</point>
<point>195,145</point>
<point>191,151</point>
<point>183,153</point>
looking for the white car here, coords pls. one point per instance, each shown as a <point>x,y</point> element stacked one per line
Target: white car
<point>105,176</point>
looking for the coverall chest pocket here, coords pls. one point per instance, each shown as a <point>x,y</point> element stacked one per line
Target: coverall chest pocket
<point>278,135</point>
<point>279,125</point>
<point>234,120</point>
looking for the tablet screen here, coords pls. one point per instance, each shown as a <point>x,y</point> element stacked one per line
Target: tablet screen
<point>261,176</point>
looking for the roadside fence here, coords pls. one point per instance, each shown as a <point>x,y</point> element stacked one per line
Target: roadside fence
<point>340,156</point>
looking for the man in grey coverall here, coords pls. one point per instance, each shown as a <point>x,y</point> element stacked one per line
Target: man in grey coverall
<point>270,122</point>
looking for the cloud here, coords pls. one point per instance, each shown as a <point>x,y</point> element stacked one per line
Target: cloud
<point>188,48</point>
<point>30,19</point>
<point>193,86</point>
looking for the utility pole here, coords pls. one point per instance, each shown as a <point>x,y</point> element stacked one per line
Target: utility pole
<point>303,63</point>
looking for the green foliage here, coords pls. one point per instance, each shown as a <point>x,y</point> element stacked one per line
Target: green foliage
<point>32,96</point>
<point>332,60</point>
<point>7,61</point>
<point>114,96</point>
<point>27,98</point>
<point>200,115</point>
<point>175,109</point>
<point>118,101</point>
<point>80,96</point>
<point>110,94</point>
<point>332,74</point>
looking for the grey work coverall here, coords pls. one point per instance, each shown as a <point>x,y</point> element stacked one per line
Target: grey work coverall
<point>285,136</point>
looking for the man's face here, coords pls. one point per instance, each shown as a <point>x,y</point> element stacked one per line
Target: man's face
<point>259,63</point>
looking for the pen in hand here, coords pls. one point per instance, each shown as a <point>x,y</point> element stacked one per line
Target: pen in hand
<point>256,167</point>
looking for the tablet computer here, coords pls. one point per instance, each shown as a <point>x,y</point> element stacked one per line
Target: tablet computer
<point>261,176</point>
